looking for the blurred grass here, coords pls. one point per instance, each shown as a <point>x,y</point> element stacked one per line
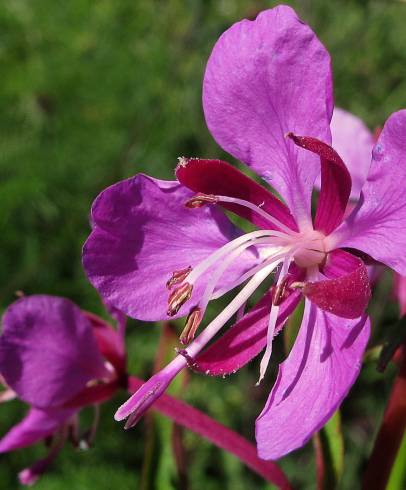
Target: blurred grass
<point>93,92</point>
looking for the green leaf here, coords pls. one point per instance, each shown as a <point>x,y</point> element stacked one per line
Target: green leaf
<point>397,479</point>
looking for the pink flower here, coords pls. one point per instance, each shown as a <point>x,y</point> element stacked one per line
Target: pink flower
<point>57,359</point>
<point>267,98</point>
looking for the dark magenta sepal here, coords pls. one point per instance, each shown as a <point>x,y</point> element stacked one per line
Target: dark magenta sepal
<point>335,183</point>
<point>246,339</point>
<point>215,177</point>
<point>348,291</point>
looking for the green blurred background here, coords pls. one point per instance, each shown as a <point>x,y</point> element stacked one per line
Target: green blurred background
<point>95,91</point>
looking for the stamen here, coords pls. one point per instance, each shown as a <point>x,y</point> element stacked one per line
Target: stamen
<point>200,200</point>
<point>178,297</point>
<point>297,285</point>
<point>282,252</point>
<point>192,324</point>
<point>280,291</point>
<point>258,210</point>
<point>89,436</point>
<point>273,317</point>
<point>240,312</point>
<point>211,330</point>
<point>191,363</point>
<point>230,246</point>
<point>208,293</point>
<point>178,276</point>
<point>276,257</point>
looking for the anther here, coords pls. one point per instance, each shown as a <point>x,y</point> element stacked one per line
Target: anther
<point>192,324</point>
<point>189,359</point>
<point>297,285</point>
<point>178,276</point>
<point>200,200</point>
<point>178,297</point>
<point>279,293</point>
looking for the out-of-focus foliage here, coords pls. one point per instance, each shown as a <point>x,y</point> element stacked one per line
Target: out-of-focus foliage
<point>95,91</point>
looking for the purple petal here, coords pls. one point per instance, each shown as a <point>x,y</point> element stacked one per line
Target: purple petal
<point>312,381</point>
<point>353,141</point>
<point>142,234</point>
<point>245,339</point>
<point>266,78</point>
<point>335,184</point>
<point>346,292</point>
<point>221,178</point>
<point>47,350</point>
<point>36,426</point>
<point>377,225</point>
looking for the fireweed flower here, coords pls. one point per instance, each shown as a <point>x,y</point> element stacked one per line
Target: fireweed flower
<point>267,98</point>
<point>57,359</point>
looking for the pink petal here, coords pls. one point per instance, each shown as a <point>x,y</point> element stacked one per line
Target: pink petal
<point>335,184</point>
<point>312,381</point>
<point>354,142</point>
<point>264,79</point>
<point>48,352</point>
<point>143,233</point>
<point>245,339</point>
<point>347,291</point>
<point>200,423</point>
<point>377,225</point>
<point>220,178</point>
<point>36,426</point>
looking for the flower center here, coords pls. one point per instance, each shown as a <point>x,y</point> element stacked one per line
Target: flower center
<point>313,251</point>
<point>275,250</point>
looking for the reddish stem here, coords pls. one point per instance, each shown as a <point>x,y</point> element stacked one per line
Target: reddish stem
<point>390,434</point>
<point>320,466</point>
<point>196,421</point>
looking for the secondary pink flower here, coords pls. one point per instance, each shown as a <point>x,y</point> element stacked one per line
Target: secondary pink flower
<point>267,98</point>
<point>58,359</point>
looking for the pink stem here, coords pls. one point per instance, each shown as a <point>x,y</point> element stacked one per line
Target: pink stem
<point>196,421</point>
<point>390,434</point>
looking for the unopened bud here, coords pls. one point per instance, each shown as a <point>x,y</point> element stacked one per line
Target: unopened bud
<point>200,200</point>
<point>178,276</point>
<point>192,324</point>
<point>178,297</point>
